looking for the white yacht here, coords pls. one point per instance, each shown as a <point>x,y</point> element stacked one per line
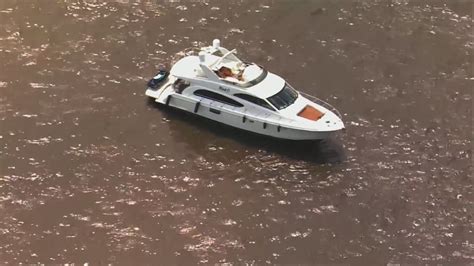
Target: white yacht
<point>217,85</point>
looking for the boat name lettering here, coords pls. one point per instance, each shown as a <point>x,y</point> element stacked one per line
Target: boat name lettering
<point>224,89</point>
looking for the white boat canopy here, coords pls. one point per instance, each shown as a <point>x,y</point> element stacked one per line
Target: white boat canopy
<point>219,64</point>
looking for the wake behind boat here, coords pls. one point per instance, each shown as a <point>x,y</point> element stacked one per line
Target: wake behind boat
<point>217,85</point>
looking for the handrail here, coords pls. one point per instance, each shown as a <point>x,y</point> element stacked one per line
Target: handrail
<point>222,58</point>
<point>323,103</point>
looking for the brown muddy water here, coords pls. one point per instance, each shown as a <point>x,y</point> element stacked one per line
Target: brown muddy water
<point>92,172</point>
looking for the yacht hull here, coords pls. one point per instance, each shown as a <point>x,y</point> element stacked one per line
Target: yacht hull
<point>233,117</point>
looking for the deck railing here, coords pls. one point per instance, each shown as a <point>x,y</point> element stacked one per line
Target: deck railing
<point>323,103</point>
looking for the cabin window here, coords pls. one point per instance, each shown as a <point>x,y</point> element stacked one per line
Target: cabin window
<point>284,98</point>
<point>255,100</point>
<point>217,97</point>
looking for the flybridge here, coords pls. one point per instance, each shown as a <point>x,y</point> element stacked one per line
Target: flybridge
<point>219,64</point>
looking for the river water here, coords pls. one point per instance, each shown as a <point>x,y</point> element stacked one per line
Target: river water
<point>91,171</point>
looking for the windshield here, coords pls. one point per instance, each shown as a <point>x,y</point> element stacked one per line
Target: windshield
<point>284,98</point>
